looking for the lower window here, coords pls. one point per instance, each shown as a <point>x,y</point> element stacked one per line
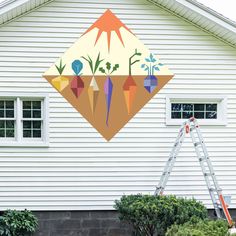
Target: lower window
<point>209,110</point>
<point>23,121</point>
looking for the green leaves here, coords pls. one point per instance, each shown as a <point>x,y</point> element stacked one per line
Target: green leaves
<point>18,223</point>
<point>108,67</point>
<point>93,67</point>
<point>102,70</point>
<point>197,227</point>
<point>115,67</point>
<point>151,215</point>
<point>60,68</point>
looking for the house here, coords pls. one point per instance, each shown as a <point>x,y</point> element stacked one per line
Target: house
<point>53,162</point>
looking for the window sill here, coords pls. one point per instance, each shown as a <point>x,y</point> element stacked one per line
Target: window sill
<point>24,144</point>
<point>201,122</point>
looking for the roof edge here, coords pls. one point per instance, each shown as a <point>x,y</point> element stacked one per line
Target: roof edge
<point>210,16</point>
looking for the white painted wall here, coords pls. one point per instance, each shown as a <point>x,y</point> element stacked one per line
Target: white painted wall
<point>80,170</point>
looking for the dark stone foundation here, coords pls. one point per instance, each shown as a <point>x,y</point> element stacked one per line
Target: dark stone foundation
<point>86,223</point>
<point>81,223</point>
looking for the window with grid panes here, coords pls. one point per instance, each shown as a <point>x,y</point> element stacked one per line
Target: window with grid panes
<point>7,118</point>
<point>197,110</point>
<point>32,119</point>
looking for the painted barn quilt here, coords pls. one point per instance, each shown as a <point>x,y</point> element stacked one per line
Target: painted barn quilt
<point>108,75</point>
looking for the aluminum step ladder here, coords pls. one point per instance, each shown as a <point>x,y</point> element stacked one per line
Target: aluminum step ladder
<point>191,126</point>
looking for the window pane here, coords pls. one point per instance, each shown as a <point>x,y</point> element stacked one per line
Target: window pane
<point>211,107</point>
<point>26,113</point>
<point>1,113</point>
<point>36,114</point>
<point>2,124</point>
<point>37,133</point>
<point>198,107</point>
<point>10,113</point>
<point>187,107</point>
<point>37,105</point>
<point>176,107</point>
<point>9,124</point>
<point>10,133</point>
<point>199,115</point>
<point>37,124</point>
<point>211,115</point>
<point>27,133</point>
<point>2,133</point>
<point>176,115</point>
<point>1,104</point>
<point>26,124</point>
<point>9,105</point>
<point>27,105</point>
<point>187,115</point>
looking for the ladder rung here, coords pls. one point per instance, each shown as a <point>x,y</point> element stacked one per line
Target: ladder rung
<point>215,189</point>
<point>209,174</point>
<point>197,143</point>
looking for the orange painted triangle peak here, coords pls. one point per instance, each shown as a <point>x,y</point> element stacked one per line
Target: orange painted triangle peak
<point>108,75</point>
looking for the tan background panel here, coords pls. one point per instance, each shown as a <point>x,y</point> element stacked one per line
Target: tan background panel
<point>118,116</point>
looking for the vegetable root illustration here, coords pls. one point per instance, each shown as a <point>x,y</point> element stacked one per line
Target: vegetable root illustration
<point>93,90</point>
<point>150,82</point>
<point>60,82</point>
<point>130,86</point>
<point>77,84</point>
<point>108,86</point>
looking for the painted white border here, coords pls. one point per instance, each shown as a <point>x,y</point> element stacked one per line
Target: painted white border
<point>19,141</point>
<point>221,100</point>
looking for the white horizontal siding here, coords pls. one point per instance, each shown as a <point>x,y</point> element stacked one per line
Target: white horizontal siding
<point>80,170</point>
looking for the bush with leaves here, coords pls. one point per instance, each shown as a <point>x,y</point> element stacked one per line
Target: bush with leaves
<point>152,215</point>
<point>196,227</point>
<point>18,223</point>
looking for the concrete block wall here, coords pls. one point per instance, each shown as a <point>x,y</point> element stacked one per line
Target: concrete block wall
<point>81,223</point>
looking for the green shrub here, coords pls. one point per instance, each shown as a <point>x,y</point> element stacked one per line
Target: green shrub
<point>199,228</point>
<point>17,223</point>
<point>150,215</point>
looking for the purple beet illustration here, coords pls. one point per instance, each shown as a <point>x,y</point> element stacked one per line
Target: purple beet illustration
<point>150,82</point>
<point>108,86</point>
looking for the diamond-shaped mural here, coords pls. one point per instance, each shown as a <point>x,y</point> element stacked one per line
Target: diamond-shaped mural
<point>108,75</point>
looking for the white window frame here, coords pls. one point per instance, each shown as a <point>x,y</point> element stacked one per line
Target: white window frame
<point>19,141</point>
<point>221,101</point>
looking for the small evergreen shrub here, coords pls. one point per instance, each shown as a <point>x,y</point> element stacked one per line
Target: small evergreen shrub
<point>18,223</point>
<point>152,215</point>
<point>200,228</point>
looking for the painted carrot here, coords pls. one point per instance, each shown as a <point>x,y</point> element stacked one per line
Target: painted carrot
<point>130,86</point>
<point>108,86</point>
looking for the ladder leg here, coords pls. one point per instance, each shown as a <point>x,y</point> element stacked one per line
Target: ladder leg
<point>208,171</point>
<point>171,161</point>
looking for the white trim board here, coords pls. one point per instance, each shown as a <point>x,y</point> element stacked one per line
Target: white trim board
<point>221,100</point>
